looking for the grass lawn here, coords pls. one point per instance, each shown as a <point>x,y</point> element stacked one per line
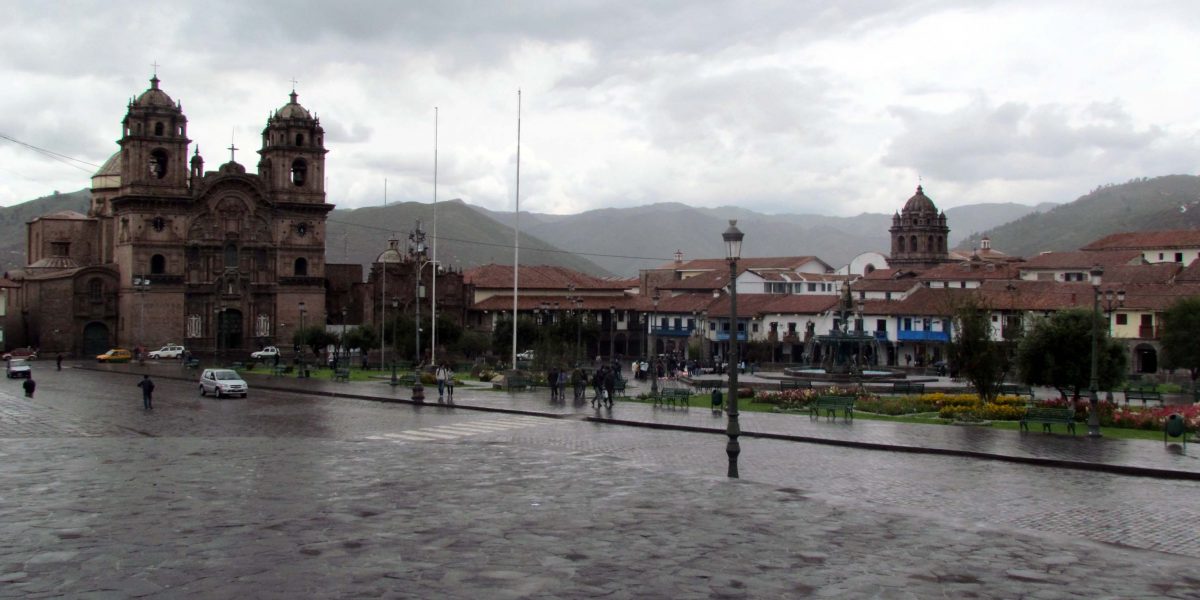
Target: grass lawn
<point>745,405</point>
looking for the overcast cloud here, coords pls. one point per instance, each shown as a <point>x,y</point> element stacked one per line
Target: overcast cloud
<point>792,106</point>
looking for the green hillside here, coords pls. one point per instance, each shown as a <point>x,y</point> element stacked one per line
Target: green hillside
<point>1169,202</point>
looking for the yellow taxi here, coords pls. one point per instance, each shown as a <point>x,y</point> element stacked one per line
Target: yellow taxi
<point>115,355</point>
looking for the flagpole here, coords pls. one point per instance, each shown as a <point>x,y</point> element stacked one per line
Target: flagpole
<point>517,236</point>
<point>433,301</point>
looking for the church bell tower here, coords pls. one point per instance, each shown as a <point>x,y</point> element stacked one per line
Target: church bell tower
<point>292,159</point>
<point>154,146</point>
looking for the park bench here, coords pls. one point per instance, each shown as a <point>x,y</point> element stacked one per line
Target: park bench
<point>281,369</point>
<point>237,365</point>
<point>619,388</point>
<point>341,375</point>
<point>517,381</point>
<point>708,384</point>
<point>1143,394</point>
<point>1049,416</point>
<point>192,363</point>
<point>907,387</point>
<point>673,396</point>
<point>794,384</point>
<point>831,405</point>
<point>409,379</point>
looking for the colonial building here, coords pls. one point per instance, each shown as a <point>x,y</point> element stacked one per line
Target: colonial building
<point>168,252</point>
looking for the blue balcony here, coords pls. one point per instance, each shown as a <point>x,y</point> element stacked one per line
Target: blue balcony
<point>913,335</point>
<point>723,336</point>
<point>681,331</point>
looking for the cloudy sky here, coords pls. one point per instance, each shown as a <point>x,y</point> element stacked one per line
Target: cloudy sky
<point>792,106</point>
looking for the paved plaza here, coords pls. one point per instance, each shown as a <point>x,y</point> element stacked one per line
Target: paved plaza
<point>287,495</point>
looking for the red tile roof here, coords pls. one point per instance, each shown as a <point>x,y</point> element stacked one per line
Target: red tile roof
<point>1146,240</point>
<point>969,271</point>
<point>539,277</point>
<point>1082,260</point>
<point>560,303</point>
<point>762,262</point>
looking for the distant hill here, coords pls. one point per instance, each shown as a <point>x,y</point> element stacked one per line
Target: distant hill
<point>1169,202</point>
<point>467,238</point>
<point>13,220</point>
<point>620,239</point>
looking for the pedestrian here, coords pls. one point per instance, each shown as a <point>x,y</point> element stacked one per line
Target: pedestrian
<point>29,386</point>
<point>562,385</point>
<point>579,383</point>
<point>147,392</point>
<point>365,364</point>
<point>440,376</point>
<point>610,388</point>
<point>449,384</point>
<point>58,361</point>
<point>552,383</point>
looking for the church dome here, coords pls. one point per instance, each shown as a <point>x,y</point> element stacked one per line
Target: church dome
<point>919,203</point>
<point>392,254</point>
<point>292,110</point>
<point>154,96</point>
<point>112,166</point>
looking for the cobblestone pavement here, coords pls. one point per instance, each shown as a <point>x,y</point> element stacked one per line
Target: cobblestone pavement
<point>291,496</point>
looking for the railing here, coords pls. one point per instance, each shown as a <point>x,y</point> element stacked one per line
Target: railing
<point>1148,332</point>
<point>791,338</point>
<point>680,331</point>
<point>913,335</point>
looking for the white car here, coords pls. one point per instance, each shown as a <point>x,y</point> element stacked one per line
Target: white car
<point>526,355</point>
<point>19,367</point>
<point>268,352</point>
<point>168,351</point>
<point>222,382</point>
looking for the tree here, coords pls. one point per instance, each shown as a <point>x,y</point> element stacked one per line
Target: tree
<point>1058,352</point>
<point>362,337</point>
<point>973,352</point>
<point>315,337</point>
<point>1181,337</point>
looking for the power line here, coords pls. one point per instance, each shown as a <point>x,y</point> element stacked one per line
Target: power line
<point>62,158</point>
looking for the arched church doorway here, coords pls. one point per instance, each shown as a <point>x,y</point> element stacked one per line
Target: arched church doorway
<point>230,329</point>
<point>1145,359</point>
<point>95,339</point>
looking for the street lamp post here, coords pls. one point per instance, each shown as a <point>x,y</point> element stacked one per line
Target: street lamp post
<point>345,352</point>
<point>733,251</point>
<point>1094,413</point>
<point>612,332</point>
<point>220,312</point>
<point>141,284</point>
<point>1112,301</point>
<point>395,309</point>
<point>300,372</point>
<point>576,302</point>
<point>651,353</point>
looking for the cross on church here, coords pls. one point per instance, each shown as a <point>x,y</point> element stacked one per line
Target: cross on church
<point>294,82</point>
<point>156,66</point>
<point>232,149</point>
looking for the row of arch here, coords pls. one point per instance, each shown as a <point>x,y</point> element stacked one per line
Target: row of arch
<point>157,167</point>
<point>933,244</point>
<point>158,262</point>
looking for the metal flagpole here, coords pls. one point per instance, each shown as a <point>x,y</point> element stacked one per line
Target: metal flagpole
<point>433,301</point>
<point>517,235</point>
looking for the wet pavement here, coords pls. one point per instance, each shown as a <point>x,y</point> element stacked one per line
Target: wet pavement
<point>287,495</point>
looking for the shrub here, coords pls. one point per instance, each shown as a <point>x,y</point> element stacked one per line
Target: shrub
<point>991,412</point>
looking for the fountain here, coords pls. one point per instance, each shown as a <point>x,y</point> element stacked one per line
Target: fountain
<point>841,350</point>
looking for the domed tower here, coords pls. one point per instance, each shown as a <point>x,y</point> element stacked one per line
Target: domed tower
<point>919,234</point>
<point>292,163</point>
<point>153,156</point>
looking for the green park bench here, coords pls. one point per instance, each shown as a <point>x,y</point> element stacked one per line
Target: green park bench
<point>794,384</point>
<point>908,387</point>
<point>1143,394</point>
<point>281,369</point>
<point>341,375</point>
<point>191,363</point>
<point>673,396</point>
<point>409,379</point>
<point>1047,417</point>
<point>619,388</point>
<point>831,405</point>
<point>517,382</point>
<point>237,366</point>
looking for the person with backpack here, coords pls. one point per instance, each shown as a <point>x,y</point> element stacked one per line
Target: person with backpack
<point>147,392</point>
<point>449,383</point>
<point>440,376</point>
<point>29,386</point>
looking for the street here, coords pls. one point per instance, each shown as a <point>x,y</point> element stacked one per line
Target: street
<point>288,495</point>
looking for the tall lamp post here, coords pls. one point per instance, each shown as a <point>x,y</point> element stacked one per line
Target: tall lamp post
<point>220,312</point>
<point>1112,301</point>
<point>345,351</point>
<point>1094,413</point>
<point>576,302</point>
<point>141,284</point>
<point>395,309</point>
<point>733,251</point>
<point>300,372</point>
<point>612,332</point>
<point>651,353</point>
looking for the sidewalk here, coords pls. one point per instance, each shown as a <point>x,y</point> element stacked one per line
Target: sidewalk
<point>1132,457</point>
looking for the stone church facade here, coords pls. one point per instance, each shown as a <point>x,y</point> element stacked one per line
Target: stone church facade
<point>919,235</point>
<point>220,261</point>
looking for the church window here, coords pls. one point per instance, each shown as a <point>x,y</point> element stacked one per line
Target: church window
<point>158,129</point>
<point>158,163</point>
<point>231,255</point>
<point>158,264</point>
<point>159,223</point>
<point>301,268</point>
<point>299,171</point>
<point>193,326</point>
<point>299,139</point>
<point>900,244</point>
<point>302,229</point>
<point>929,247</point>
<point>912,244</point>
<point>95,290</point>
<point>262,326</point>
<point>941,243</point>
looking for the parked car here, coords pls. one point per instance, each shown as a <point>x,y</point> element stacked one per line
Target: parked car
<point>26,353</point>
<point>266,353</point>
<point>222,382</point>
<point>116,355</point>
<point>168,351</point>
<point>526,355</point>
<point>19,367</point>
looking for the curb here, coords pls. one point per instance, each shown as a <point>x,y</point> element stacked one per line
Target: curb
<point>1027,460</point>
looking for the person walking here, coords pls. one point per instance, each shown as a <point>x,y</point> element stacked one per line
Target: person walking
<point>449,383</point>
<point>147,392</point>
<point>58,361</point>
<point>440,376</point>
<point>552,383</point>
<point>29,386</point>
<point>610,387</point>
<point>562,385</point>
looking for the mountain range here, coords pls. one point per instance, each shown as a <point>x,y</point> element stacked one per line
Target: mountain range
<point>619,241</point>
